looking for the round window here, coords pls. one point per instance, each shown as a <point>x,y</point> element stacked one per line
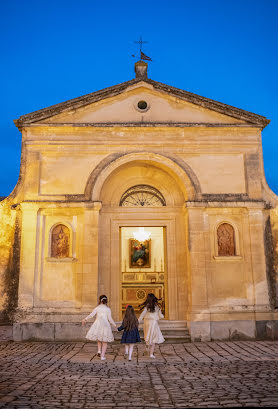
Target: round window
<point>142,105</point>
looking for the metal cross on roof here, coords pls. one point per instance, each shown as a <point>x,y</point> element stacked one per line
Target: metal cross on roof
<point>140,42</point>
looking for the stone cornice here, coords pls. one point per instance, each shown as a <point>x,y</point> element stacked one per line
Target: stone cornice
<point>256,204</point>
<point>145,124</point>
<point>79,200</point>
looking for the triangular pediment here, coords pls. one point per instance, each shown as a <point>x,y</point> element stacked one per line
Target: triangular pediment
<point>164,105</point>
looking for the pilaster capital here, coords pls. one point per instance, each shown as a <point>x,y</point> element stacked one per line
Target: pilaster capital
<point>97,206</point>
<point>32,207</point>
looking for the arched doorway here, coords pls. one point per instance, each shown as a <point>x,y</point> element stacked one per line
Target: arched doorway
<point>143,252</point>
<point>164,215</point>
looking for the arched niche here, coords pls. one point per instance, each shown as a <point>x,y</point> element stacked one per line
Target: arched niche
<point>227,240</point>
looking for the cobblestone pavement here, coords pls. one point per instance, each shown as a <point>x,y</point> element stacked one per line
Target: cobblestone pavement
<point>70,375</point>
<point>6,333</point>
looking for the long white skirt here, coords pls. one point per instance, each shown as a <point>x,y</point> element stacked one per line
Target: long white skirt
<point>152,333</point>
<point>100,331</point>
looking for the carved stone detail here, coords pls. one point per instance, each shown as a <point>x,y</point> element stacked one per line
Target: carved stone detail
<point>142,195</point>
<point>60,239</point>
<point>226,240</point>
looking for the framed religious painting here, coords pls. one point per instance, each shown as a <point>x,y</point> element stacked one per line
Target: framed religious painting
<point>140,253</point>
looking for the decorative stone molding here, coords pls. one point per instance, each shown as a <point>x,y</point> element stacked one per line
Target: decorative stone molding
<point>176,166</point>
<point>206,204</point>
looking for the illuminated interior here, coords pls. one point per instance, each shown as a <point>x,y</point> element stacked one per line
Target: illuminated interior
<point>142,265</point>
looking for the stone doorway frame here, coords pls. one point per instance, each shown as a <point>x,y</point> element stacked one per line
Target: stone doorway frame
<point>164,233</point>
<point>171,284</point>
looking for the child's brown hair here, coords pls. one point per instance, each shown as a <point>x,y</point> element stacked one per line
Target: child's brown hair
<point>103,299</point>
<point>130,320</point>
<point>151,302</point>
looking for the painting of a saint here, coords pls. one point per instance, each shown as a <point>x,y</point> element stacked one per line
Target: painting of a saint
<point>226,240</point>
<point>140,253</point>
<point>60,242</point>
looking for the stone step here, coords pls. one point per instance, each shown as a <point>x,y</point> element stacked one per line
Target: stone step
<point>173,331</point>
<point>170,335</point>
<point>166,324</point>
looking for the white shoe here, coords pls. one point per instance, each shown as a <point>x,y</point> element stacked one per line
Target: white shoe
<point>102,358</point>
<point>152,356</point>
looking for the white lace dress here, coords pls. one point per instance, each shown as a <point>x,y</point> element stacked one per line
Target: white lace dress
<point>152,333</point>
<point>101,328</point>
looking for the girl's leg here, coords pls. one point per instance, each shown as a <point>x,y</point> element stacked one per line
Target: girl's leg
<point>99,348</point>
<point>130,351</point>
<point>152,350</point>
<point>103,349</point>
<point>146,352</point>
<point>126,349</point>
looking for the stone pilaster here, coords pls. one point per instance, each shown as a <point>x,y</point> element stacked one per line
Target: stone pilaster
<point>198,317</point>
<point>27,256</point>
<point>90,256</point>
<point>256,225</point>
<point>253,176</point>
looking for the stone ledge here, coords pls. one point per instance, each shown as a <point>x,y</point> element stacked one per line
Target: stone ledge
<point>199,331</point>
<point>228,258</point>
<point>69,331</point>
<point>60,260</point>
<point>234,330</point>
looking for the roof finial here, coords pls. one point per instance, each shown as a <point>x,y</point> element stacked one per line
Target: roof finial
<point>141,66</point>
<point>141,69</point>
<point>143,56</point>
<point>140,42</point>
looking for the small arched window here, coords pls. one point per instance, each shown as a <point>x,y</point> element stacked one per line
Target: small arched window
<point>60,241</point>
<point>142,196</point>
<point>226,240</point>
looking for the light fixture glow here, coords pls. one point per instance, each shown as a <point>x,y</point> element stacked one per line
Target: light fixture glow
<point>141,234</point>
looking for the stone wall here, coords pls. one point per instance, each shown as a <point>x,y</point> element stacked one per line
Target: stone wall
<point>9,259</point>
<point>273,273</point>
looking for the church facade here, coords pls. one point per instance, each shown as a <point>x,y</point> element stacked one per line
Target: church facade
<point>137,188</point>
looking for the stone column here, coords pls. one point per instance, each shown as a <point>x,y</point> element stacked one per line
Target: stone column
<point>199,317</point>
<point>90,256</point>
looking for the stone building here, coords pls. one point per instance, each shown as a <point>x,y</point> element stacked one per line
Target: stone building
<point>137,188</point>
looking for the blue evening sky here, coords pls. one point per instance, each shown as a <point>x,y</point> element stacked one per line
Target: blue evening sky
<point>54,50</point>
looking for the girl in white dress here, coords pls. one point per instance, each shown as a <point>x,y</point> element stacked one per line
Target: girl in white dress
<point>101,331</point>
<point>151,314</point>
